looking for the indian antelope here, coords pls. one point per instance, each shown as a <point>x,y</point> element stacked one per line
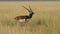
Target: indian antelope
<point>25,18</point>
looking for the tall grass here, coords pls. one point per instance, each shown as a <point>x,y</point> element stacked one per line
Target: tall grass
<point>46,19</point>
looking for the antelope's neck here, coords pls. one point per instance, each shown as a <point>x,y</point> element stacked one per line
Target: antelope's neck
<point>30,15</point>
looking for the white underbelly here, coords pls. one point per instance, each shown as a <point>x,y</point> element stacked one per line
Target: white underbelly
<point>21,20</point>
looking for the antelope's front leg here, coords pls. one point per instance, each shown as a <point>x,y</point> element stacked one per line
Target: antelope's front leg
<point>27,20</point>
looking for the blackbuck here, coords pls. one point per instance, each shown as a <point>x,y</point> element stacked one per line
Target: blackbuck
<point>25,18</point>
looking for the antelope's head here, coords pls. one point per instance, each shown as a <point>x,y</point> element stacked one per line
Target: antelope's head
<point>29,10</point>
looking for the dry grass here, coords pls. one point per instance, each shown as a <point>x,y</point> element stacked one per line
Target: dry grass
<point>45,21</point>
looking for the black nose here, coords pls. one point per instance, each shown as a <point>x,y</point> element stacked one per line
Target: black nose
<point>33,13</point>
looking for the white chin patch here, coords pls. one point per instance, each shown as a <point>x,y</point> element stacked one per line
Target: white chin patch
<point>22,20</point>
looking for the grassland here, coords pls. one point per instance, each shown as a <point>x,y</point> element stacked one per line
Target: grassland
<point>46,19</point>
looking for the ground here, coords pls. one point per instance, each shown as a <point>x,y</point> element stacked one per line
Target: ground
<point>46,19</point>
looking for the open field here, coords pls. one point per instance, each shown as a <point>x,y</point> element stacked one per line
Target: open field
<point>46,19</point>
